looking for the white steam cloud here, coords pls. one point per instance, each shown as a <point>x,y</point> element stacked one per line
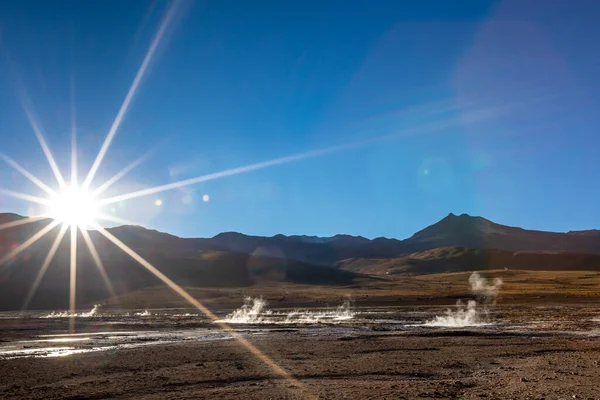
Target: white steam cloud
<point>461,317</point>
<point>471,314</point>
<point>481,287</point>
<point>254,311</point>
<point>65,314</point>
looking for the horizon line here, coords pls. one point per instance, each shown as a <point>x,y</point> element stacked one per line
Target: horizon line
<point>313,236</point>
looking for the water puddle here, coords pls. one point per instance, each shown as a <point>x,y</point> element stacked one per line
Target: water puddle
<point>255,319</point>
<point>102,341</point>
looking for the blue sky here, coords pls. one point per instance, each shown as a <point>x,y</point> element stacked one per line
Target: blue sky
<point>470,107</point>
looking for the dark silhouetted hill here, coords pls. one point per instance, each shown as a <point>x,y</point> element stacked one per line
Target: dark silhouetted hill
<point>453,230</point>
<point>459,259</point>
<point>230,259</point>
<point>184,264</point>
<point>477,232</point>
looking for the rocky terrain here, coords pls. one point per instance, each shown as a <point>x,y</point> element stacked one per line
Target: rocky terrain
<point>343,364</point>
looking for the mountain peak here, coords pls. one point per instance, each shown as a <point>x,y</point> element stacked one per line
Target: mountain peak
<point>130,231</point>
<point>456,229</point>
<point>462,216</point>
<point>10,217</point>
<point>229,234</point>
<point>589,232</point>
<point>340,237</point>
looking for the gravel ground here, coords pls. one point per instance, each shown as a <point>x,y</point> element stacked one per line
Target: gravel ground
<point>338,364</point>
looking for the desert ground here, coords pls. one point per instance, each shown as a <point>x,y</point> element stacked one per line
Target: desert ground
<point>540,339</point>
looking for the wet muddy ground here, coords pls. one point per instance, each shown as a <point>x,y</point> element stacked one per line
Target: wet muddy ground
<point>528,352</point>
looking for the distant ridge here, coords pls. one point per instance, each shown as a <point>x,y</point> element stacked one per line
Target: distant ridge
<point>478,232</point>
<point>231,259</point>
<point>453,230</point>
<point>188,262</point>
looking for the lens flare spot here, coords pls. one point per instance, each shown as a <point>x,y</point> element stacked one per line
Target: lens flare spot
<point>435,176</point>
<point>205,198</point>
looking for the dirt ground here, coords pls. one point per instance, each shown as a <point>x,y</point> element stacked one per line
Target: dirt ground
<point>520,287</point>
<point>366,364</point>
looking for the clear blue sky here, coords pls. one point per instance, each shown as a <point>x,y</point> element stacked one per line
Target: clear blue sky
<point>489,109</point>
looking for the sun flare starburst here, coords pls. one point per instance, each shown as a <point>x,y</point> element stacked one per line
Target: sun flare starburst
<point>74,206</point>
<point>77,208</point>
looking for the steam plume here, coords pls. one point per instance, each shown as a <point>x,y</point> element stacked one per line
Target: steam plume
<point>471,314</point>
<point>481,287</point>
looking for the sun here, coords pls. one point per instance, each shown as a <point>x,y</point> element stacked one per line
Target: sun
<point>78,208</point>
<point>74,206</point>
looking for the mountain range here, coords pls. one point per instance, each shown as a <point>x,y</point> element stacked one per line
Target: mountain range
<point>231,259</point>
<point>453,230</point>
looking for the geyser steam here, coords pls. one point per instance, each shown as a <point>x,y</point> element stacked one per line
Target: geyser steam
<point>470,315</point>
<point>65,314</point>
<point>481,287</point>
<point>254,311</point>
<point>463,316</point>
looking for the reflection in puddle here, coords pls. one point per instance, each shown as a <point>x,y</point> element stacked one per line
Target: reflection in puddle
<point>171,327</point>
<point>58,340</point>
<point>39,352</point>
<point>102,341</point>
<point>94,333</point>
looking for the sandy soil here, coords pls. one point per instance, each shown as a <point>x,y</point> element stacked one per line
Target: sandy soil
<point>520,287</point>
<point>337,364</point>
